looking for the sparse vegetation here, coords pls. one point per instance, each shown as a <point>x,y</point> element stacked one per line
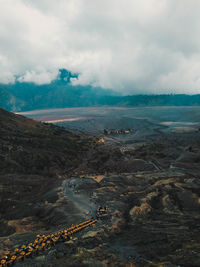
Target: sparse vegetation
<point>50,177</point>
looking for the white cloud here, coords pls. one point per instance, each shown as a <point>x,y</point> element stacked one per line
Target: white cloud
<point>38,77</point>
<point>129,46</point>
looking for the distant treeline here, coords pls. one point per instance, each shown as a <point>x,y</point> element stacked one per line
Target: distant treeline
<point>60,94</point>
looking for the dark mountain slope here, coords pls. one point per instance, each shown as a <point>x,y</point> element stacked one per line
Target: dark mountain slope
<point>33,155</point>
<point>27,146</point>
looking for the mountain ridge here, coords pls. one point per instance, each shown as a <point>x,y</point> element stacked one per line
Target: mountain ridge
<point>60,93</point>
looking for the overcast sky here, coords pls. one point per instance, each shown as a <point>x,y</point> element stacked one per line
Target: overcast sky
<point>131,46</point>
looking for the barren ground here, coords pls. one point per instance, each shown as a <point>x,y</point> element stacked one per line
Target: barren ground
<point>149,180</point>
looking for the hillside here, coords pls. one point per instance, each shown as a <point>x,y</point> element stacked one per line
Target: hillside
<point>34,158</point>
<point>149,185</point>
<point>60,93</point>
<point>32,147</point>
<point>33,155</point>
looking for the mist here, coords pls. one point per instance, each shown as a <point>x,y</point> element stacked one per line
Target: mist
<point>131,47</point>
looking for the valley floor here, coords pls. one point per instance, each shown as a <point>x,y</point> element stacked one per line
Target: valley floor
<point>148,180</point>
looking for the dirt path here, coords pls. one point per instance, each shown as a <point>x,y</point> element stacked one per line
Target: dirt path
<point>82,202</point>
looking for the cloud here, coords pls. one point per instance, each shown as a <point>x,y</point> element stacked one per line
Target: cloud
<point>38,78</point>
<point>130,46</point>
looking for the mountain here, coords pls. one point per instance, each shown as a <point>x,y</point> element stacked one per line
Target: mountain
<point>35,158</point>
<point>23,96</point>
<point>32,147</point>
<point>32,156</point>
<point>60,93</point>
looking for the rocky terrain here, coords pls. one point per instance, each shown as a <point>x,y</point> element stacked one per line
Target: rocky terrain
<point>149,183</point>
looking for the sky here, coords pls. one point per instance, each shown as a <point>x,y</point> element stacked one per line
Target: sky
<point>130,46</point>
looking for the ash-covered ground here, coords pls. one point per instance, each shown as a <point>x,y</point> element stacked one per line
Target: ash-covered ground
<point>148,180</point>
